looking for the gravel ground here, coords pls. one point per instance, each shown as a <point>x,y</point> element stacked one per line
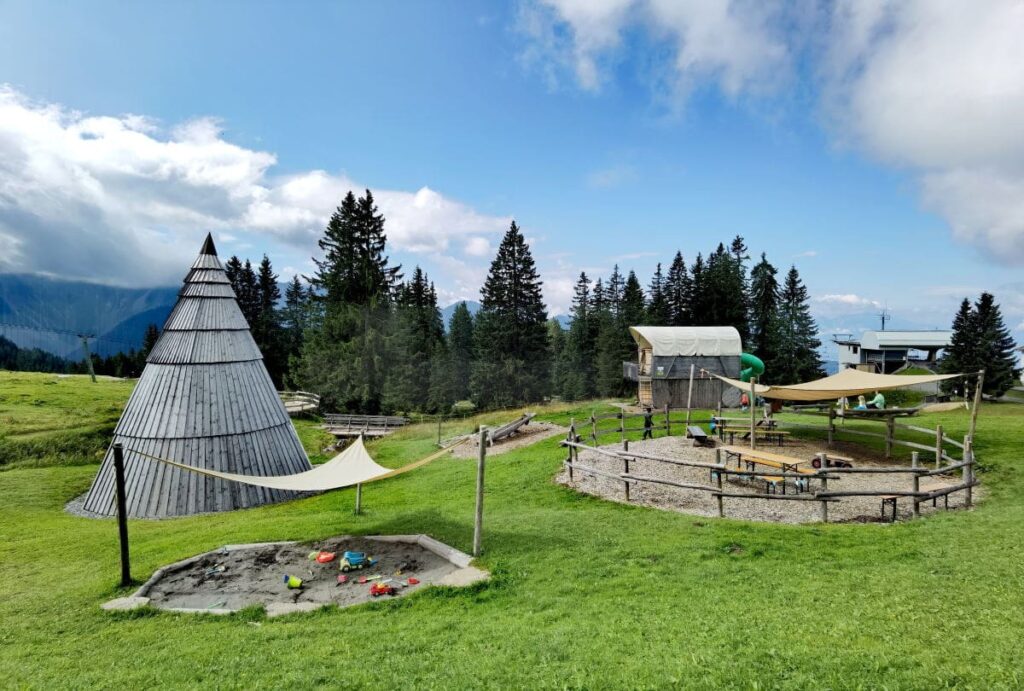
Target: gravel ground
<point>859,509</point>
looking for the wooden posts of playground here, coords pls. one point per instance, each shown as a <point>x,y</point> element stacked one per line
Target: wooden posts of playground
<point>968,471</point>
<point>593,426</point>
<point>890,431</point>
<point>938,446</point>
<point>831,425</point>
<point>916,482</point>
<point>823,457</point>
<point>753,389</point>
<point>479,517</point>
<point>625,461</point>
<point>572,449</point>
<point>359,498</point>
<point>689,396</point>
<point>668,427</point>
<point>122,514</point>
<point>977,403</point>
<point>718,476</point>
<point>622,427</point>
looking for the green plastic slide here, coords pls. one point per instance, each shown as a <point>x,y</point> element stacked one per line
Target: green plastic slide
<point>752,366</point>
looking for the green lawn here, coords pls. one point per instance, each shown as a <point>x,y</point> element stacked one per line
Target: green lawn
<point>585,593</point>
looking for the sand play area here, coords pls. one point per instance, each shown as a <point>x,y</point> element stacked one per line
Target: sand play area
<point>239,576</point>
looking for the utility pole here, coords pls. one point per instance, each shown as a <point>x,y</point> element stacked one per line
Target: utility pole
<point>885,316</point>
<point>88,357</point>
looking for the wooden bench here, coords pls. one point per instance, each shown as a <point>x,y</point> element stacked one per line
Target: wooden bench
<point>889,502</point>
<point>698,435</point>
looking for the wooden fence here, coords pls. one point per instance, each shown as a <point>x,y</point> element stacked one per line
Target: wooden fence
<point>719,469</point>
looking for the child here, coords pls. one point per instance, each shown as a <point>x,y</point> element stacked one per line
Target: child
<point>648,424</point>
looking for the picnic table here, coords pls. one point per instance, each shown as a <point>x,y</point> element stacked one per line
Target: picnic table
<point>771,434</point>
<point>787,464</point>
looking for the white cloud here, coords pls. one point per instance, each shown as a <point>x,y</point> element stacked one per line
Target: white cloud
<point>935,87</point>
<point>115,198</point>
<point>735,44</point>
<point>477,247</point>
<point>809,254</point>
<point>848,299</point>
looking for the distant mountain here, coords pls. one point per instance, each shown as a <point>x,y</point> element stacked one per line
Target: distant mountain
<point>447,312</point>
<point>47,313</point>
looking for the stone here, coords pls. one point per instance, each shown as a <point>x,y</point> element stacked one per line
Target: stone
<point>121,604</point>
<point>464,577</point>
<point>279,609</point>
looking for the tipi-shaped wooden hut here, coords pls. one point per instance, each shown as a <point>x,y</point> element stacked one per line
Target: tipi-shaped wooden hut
<point>204,399</point>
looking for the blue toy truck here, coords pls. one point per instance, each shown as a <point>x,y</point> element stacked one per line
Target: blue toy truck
<point>351,561</point>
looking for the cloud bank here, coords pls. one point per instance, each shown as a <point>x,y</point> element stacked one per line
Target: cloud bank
<point>933,87</point>
<point>95,197</point>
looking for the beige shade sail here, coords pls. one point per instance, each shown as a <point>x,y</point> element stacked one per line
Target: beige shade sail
<point>848,382</point>
<point>353,466</point>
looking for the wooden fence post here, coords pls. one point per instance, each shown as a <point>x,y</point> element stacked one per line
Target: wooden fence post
<point>890,431</point>
<point>718,475</point>
<point>622,427</point>
<point>977,403</point>
<point>968,474</point>
<point>938,446</point>
<point>753,389</point>
<point>916,484</point>
<point>122,514</point>
<point>689,396</point>
<point>831,425</point>
<point>626,482</point>
<point>824,487</point>
<point>593,427</point>
<point>572,438</point>
<point>359,498</point>
<point>668,428</point>
<point>479,517</point>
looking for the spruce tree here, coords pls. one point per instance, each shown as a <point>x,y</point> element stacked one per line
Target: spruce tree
<point>799,359</point>
<point>266,329</point>
<point>248,292</point>
<point>700,305</point>
<point>997,349</point>
<point>658,310</point>
<point>765,324</point>
<point>347,359</point>
<point>415,335</point>
<point>580,352</point>
<point>678,291</point>
<point>149,339</point>
<point>512,336</point>
<point>460,351</point>
<point>295,319</point>
<point>962,355</point>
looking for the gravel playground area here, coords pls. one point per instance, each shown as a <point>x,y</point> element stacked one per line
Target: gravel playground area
<point>700,503</point>
<point>255,576</point>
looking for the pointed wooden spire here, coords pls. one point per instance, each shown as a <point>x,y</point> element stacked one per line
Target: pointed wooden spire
<point>208,246</point>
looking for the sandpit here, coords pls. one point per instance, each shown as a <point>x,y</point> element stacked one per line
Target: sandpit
<point>526,435</point>
<point>849,509</point>
<point>239,576</point>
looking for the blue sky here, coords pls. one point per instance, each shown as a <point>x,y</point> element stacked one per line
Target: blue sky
<point>612,131</point>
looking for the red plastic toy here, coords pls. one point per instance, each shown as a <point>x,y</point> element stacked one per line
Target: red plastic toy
<point>378,589</point>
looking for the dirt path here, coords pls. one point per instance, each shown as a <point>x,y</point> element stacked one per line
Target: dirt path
<point>528,434</point>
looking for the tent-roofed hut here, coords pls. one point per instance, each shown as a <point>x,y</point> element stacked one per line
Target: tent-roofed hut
<point>665,354</point>
<point>204,399</point>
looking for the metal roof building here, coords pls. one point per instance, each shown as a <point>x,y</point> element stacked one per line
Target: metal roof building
<point>204,399</point>
<point>886,351</point>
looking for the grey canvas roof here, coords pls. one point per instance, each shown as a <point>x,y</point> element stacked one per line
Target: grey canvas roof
<point>204,399</point>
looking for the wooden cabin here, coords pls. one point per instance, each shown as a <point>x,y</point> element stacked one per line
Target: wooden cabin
<point>666,356</point>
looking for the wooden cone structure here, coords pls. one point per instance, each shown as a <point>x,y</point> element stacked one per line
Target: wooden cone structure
<point>204,399</point>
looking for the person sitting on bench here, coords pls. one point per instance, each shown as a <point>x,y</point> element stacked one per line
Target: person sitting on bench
<point>878,402</point>
<point>744,401</point>
<point>862,403</point>
<point>648,424</point>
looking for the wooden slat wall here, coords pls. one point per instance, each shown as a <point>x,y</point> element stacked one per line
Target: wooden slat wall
<point>204,399</point>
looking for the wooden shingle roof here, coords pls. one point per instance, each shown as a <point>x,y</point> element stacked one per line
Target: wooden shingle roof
<point>204,399</point>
